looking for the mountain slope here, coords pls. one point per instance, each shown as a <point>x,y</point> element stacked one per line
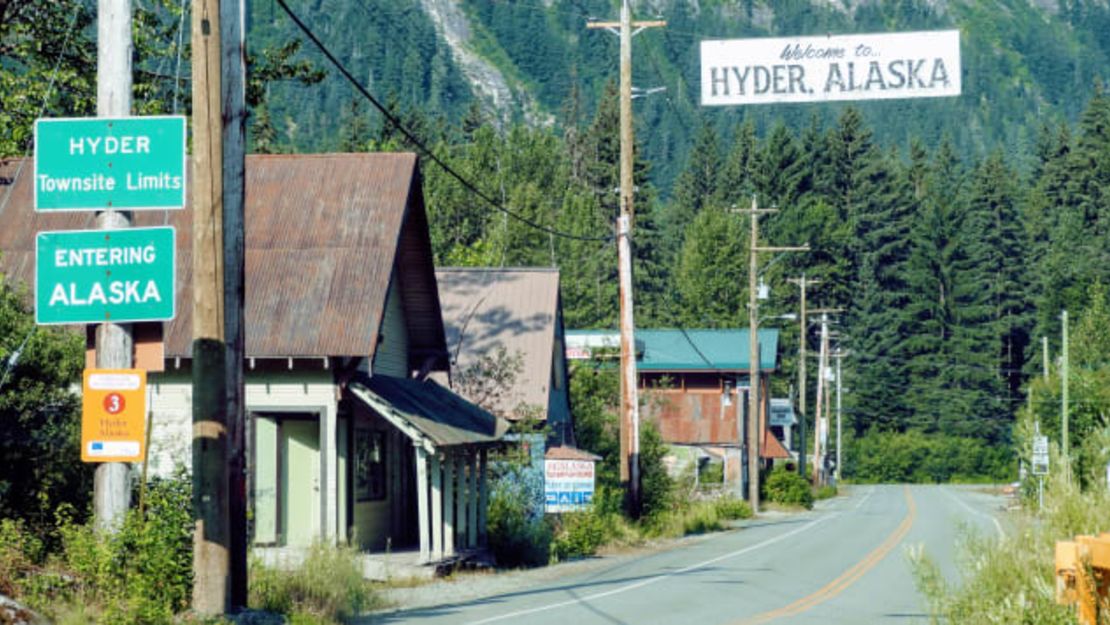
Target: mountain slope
<point>1025,64</point>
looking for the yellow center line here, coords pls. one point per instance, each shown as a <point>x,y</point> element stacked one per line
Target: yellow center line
<point>847,578</point>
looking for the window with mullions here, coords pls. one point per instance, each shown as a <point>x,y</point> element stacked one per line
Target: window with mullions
<point>369,465</point>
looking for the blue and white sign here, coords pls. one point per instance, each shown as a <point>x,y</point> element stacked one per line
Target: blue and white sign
<point>568,485</point>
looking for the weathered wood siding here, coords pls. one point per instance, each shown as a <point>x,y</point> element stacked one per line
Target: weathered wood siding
<point>392,356</point>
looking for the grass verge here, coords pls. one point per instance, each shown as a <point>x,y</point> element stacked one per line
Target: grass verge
<point>1012,579</point>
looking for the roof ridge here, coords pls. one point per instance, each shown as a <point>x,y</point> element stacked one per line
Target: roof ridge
<point>501,269</point>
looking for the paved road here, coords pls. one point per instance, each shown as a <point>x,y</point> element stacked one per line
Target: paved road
<point>842,563</point>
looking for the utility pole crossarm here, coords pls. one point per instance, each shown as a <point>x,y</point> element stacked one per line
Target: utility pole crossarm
<point>635,24</point>
<point>787,248</point>
<point>754,211</point>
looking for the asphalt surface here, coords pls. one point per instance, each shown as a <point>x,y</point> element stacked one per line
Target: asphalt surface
<point>844,562</point>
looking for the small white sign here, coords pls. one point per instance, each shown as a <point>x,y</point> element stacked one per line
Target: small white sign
<point>1040,455</point>
<point>830,68</point>
<point>114,381</point>
<point>112,448</point>
<point>578,353</point>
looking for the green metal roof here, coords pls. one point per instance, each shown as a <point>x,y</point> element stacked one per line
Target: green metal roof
<point>687,350</point>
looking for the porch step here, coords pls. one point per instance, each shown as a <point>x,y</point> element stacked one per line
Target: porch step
<point>406,566</point>
<point>381,567</point>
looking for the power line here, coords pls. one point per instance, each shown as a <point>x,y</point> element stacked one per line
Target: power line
<point>695,346</point>
<point>416,142</point>
<point>45,100</point>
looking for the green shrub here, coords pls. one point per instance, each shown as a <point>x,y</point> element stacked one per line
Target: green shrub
<point>140,574</point>
<point>144,572</point>
<point>894,457</point>
<point>828,491</point>
<point>516,538</point>
<point>327,587</point>
<point>578,535</point>
<point>788,488</point>
<point>700,519</point>
<point>697,517</point>
<point>712,473</point>
<point>20,553</point>
<point>731,508</point>
<point>657,487</point>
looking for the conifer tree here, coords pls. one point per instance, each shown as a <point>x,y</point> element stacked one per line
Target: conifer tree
<point>712,271</point>
<point>884,211</point>
<point>696,187</point>
<point>736,182</point>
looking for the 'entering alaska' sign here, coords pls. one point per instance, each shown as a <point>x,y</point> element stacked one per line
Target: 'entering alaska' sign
<point>830,68</point>
<point>93,276</point>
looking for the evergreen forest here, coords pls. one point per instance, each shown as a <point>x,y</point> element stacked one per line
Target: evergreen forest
<point>950,233</point>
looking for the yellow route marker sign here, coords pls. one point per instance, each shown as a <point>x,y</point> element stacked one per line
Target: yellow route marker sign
<point>113,415</point>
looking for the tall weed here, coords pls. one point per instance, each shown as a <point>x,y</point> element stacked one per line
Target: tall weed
<point>327,587</point>
<point>1012,579</point>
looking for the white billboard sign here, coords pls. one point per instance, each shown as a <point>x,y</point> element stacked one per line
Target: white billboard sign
<point>568,485</point>
<point>830,68</point>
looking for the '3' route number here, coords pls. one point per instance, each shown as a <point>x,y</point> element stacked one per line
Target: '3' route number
<point>113,403</point>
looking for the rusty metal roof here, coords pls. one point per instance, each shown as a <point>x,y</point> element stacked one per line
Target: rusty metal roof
<point>425,410</point>
<point>323,234</point>
<point>514,308</point>
<point>771,447</point>
<point>570,453</point>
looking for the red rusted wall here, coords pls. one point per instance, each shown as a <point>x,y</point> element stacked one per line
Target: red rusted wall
<point>693,416</point>
<point>696,416</point>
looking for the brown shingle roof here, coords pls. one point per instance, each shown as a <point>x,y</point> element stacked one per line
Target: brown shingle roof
<point>322,234</point>
<point>515,308</point>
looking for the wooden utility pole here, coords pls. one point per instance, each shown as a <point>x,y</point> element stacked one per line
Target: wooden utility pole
<point>114,342</point>
<point>1065,442</point>
<point>754,425</point>
<point>818,449</point>
<point>630,408</point>
<point>219,541</point>
<point>803,333</point>
<point>839,387</point>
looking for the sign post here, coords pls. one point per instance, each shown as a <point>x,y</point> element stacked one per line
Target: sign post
<point>110,163</point>
<point>95,276</point>
<point>1040,464</point>
<point>113,411</point>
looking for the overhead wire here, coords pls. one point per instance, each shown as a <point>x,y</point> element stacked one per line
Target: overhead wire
<point>415,141</point>
<point>77,6</point>
<point>695,346</point>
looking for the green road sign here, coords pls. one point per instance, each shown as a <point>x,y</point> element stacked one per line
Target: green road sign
<point>97,163</point>
<point>92,276</point>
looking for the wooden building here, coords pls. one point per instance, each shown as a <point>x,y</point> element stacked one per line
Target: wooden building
<point>518,310</point>
<point>348,437</point>
<point>695,386</point>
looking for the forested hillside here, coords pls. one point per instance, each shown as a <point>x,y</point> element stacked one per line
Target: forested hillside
<point>1024,63</point>
<point>949,269</point>
<point>951,231</point>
